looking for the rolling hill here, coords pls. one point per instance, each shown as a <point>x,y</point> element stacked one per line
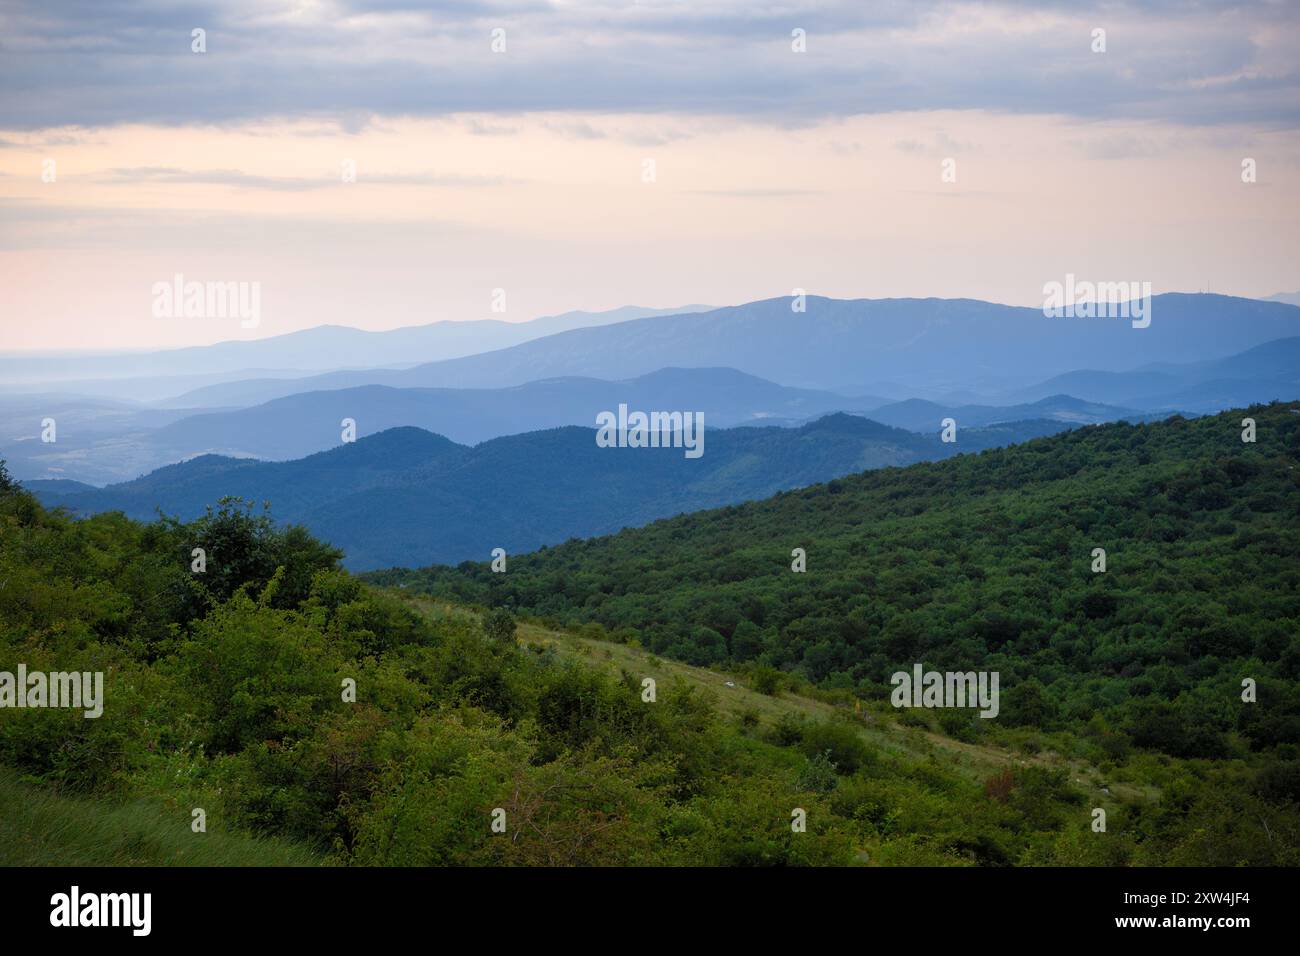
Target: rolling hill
<point>224,694</point>
<point>308,422</point>
<point>983,562</point>
<point>1268,372</point>
<point>101,442</point>
<point>919,415</point>
<point>406,496</point>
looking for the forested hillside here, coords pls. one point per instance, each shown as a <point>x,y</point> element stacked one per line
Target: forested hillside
<point>228,692</point>
<point>986,561</point>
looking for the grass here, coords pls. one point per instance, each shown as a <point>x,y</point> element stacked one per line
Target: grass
<point>878,724</point>
<point>40,826</point>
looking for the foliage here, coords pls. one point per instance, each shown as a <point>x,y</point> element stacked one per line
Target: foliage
<point>230,689</point>
<point>984,562</point>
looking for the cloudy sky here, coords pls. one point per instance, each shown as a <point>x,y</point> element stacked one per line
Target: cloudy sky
<point>650,153</point>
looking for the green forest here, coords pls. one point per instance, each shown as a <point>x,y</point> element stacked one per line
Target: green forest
<point>453,716</point>
<point>984,561</point>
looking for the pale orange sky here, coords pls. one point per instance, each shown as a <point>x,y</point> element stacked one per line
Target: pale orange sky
<point>558,215</point>
<point>523,170</point>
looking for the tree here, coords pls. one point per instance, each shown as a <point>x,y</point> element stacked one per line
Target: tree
<point>499,626</point>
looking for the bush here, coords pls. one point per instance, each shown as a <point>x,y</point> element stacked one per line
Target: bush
<point>840,742</point>
<point>766,680</point>
<point>499,627</point>
<point>818,774</point>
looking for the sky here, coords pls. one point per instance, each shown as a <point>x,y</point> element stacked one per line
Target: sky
<point>646,153</point>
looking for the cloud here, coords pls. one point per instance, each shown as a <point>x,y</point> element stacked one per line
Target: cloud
<point>1117,146</point>
<point>32,224</point>
<point>41,143</point>
<point>940,144</point>
<point>757,193</point>
<point>576,130</point>
<point>234,177</point>
<point>91,63</point>
<point>478,127</point>
<point>641,135</point>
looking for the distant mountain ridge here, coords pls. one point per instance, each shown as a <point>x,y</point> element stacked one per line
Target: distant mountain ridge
<point>920,415</point>
<point>319,348</point>
<point>105,441</point>
<point>1290,298</point>
<point>300,424</point>
<point>834,344</point>
<point>409,497</point>
<point>101,444</point>
<point>1264,373</point>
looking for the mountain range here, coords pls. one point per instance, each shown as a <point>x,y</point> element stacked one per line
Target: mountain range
<point>1267,372</point>
<point>410,497</point>
<point>102,443</point>
<point>136,374</point>
<point>838,344</point>
<point>920,415</point>
<point>968,360</point>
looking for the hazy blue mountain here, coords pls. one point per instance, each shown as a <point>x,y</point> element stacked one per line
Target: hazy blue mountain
<point>144,389</point>
<point>323,347</point>
<point>938,344</point>
<point>1217,395</point>
<point>21,414</point>
<point>1266,372</point>
<point>59,488</point>
<point>1277,359</point>
<point>304,423</point>
<point>119,445</point>
<point>96,440</point>
<point>924,416</point>
<point>406,496</point>
<point>1289,298</point>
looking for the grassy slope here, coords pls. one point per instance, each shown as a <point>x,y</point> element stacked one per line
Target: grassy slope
<point>879,724</point>
<point>42,827</point>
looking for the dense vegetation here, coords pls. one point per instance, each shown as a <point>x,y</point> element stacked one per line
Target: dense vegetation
<point>985,561</point>
<point>225,690</point>
<point>223,693</point>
